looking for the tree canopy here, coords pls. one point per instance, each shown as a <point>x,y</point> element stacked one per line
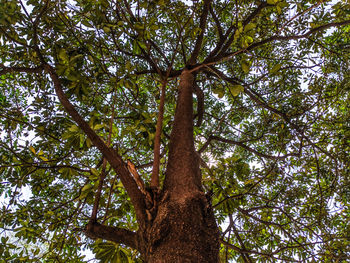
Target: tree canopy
<point>88,95</point>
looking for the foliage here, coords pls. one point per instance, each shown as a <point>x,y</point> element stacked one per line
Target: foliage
<point>275,137</point>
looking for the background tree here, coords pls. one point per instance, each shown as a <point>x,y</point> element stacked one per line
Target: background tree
<point>99,125</point>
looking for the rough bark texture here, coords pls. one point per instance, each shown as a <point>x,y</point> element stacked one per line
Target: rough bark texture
<point>184,228</point>
<point>183,231</point>
<point>183,174</point>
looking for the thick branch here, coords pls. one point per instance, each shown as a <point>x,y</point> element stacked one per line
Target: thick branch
<point>115,234</point>
<point>202,24</point>
<point>159,128</point>
<point>112,157</point>
<point>6,70</point>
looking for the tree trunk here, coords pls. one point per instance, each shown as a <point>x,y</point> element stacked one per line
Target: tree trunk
<point>183,231</point>
<point>184,227</point>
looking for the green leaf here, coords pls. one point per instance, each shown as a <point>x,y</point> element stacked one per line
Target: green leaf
<point>98,126</point>
<point>279,9</point>
<point>75,58</point>
<point>86,187</point>
<point>31,148</point>
<point>245,66</point>
<point>139,26</point>
<point>62,55</point>
<point>85,191</point>
<point>142,45</point>
<point>95,172</point>
<point>88,142</point>
<point>73,128</point>
<point>236,89</point>
<point>219,92</point>
<point>43,158</point>
<point>86,23</point>
<point>136,48</point>
<point>106,29</point>
<point>275,68</point>
<point>4,239</point>
<point>249,27</point>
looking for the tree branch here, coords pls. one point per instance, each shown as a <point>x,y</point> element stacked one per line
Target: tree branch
<point>240,250</point>
<point>117,235</point>
<point>291,37</point>
<point>211,60</point>
<point>112,157</point>
<point>273,157</point>
<point>202,24</point>
<point>299,14</point>
<point>159,50</point>
<point>221,46</point>
<point>217,22</point>
<point>246,21</point>
<point>235,231</point>
<point>159,128</point>
<point>261,102</point>
<point>6,70</point>
<point>104,164</point>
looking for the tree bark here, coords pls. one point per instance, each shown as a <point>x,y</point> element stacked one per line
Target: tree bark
<point>184,230</point>
<point>184,227</point>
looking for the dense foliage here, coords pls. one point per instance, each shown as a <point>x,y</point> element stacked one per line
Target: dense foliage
<point>274,139</point>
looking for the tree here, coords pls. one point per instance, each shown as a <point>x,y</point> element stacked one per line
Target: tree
<point>99,122</point>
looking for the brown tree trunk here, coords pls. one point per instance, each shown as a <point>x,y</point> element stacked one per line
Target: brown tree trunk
<point>183,228</point>
<point>176,224</point>
<point>183,231</point>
